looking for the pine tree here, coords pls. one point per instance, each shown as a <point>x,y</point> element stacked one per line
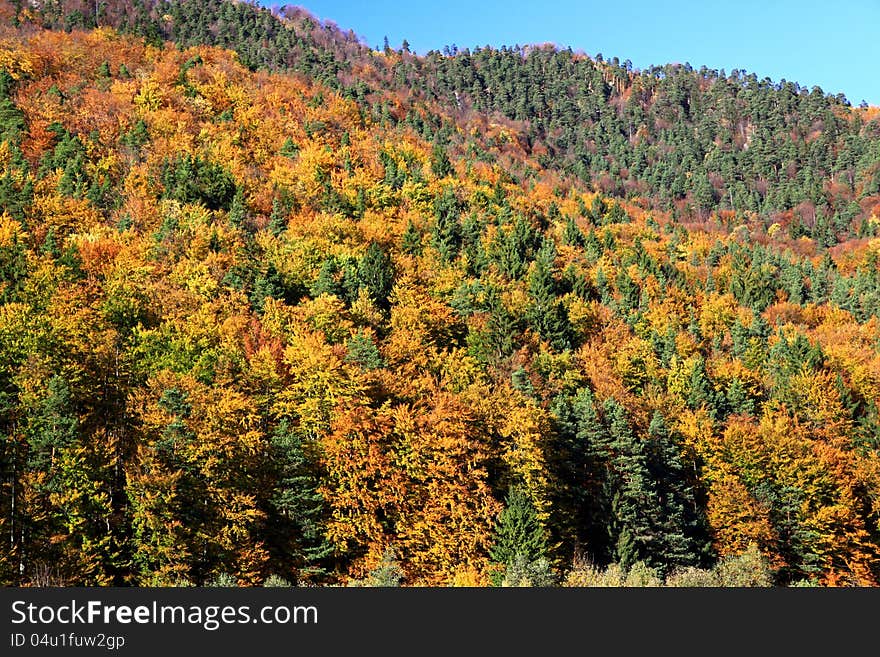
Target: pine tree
<point>700,391</point>
<point>363,352</point>
<point>518,533</point>
<point>411,240</point>
<point>53,427</point>
<point>793,283</point>
<point>278,218</point>
<point>573,235</point>
<point>326,281</point>
<point>634,500</point>
<point>237,210</point>
<point>289,149</point>
<point>440,164</point>
<point>681,529</point>
<point>579,465</point>
<point>545,313</point>
<point>267,284</point>
<point>597,211</point>
<point>738,400</point>
<point>501,326</point>
<point>376,273</point>
<point>298,529</point>
<point>739,336</point>
<point>447,229</point>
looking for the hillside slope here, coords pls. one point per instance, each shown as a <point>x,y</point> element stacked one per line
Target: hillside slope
<point>695,142</point>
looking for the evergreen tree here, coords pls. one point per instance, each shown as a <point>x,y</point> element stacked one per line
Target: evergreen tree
<point>700,391</point>
<point>189,179</point>
<point>634,500</point>
<point>501,325</point>
<point>298,508</point>
<point>573,235</point>
<point>362,351</point>
<point>289,149</point>
<point>447,229</point>
<point>411,241</point>
<point>237,210</point>
<point>518,533</point>
<point>278,218</point>
<point>326,282</point>
<point>793,283</point>
<point>267,284</point>
<point>53,427</point>
<point>738,400</point>
<point>376,273</point>
<point>682,528</point>
<point>440,164</point>
<point>545,313</point>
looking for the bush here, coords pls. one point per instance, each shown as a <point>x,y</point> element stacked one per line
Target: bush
<point>522,572</point>
<point>691,577</point>
<point>387,574</point>
<point>747,569</point>
<point>274,581</point>
<point>586,574</point>
<point>223,580</point>
<point>643,576</point>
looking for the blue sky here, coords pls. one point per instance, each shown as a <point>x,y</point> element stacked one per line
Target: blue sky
<point>834,45</point>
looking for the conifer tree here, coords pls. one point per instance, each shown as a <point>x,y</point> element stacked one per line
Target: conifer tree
<point>518,534</point>
<point>446,236</point>
<point>376,273</point>
<point>411,241</point>
<point>297,527</point>
<point>546,314</point>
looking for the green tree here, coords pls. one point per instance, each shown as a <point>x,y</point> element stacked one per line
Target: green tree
<point>289,149</point>
<point>440,164</point>
<point>190,179</point>
<point>634,500</point>
<point>362,351</point>
<point>411,241</point>
<point>446,237</point>
<point>546,314</point>
<point>296,524</point>
<point>376,273</point>
<point>519,535</point>
<point>573,235</point>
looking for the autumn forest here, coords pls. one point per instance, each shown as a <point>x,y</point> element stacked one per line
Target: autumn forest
<point>279,308</point>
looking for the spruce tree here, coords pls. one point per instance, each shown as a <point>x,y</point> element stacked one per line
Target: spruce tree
<point>545,312</point>
<point>446,236</point>
<point>738,400</point>
<point>375,272</point>
<point>518,535</point>
<point>573,235</point>
<point>298,507</point>
<point>681,527</point>
<point>411,240</point>
<point>278,218</point>
<point>289,149</point>
<point>362,351</point>
<point>634,500</point>
<point>440,164</point>
<point>238,210</point>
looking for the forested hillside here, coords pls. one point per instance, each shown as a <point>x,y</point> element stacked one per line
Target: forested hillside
<point>690,141</point>
<point>302,311</point>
